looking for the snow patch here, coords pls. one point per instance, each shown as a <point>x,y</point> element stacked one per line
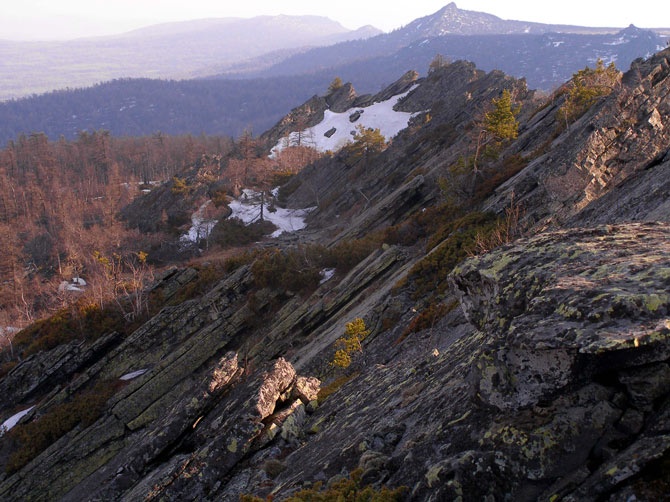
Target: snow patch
<point>8,330</point>
<point>286,220</point>
<point>200,227</point>
<point>326,275</point>
<point>618,41</point>
<point>380,115</point>
<point>77,284</point>
<point>133,374</point>
<point>13,420</point>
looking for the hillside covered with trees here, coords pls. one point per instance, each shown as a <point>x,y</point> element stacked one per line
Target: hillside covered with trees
<point>142,107</point>
<point>69,211</point>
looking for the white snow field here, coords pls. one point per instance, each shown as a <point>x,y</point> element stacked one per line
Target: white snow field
<point>379,115</point>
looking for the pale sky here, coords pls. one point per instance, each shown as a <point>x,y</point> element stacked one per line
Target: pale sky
<point>66,19</point>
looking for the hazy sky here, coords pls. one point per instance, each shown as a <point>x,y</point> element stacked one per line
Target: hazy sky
<point>64,19</point>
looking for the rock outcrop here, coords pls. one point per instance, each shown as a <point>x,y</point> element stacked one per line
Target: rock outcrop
<point>577,351</point>
<point>537,371</point>
<point>624,136</point>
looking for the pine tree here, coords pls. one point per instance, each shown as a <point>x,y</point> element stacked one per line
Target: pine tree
<point>367,141</point>
<point>501,121</point>
<point>335,85</point>
<point>354,333</point>
<point>586,87</point>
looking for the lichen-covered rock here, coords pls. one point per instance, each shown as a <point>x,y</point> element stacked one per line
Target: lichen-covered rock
<point>571,319</point>
<point>561,301</point>
<point>621,468</point>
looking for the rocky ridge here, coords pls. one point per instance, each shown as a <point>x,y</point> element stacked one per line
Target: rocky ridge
<point>546,376</point>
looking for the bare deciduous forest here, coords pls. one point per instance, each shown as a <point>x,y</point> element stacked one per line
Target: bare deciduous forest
<point>58,211</point>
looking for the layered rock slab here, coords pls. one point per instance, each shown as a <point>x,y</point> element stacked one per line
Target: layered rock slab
<point>577,330</point>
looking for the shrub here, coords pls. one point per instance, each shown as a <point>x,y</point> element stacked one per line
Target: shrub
<point>32,438</point>
<point>346,489</point>
<point>238,260</point>
<point>288,188</point>
<point>273,467</point>
<point>289,270</point>
<point>347,254</point>
<point>452,243</point>
<point>504,230</point>
<point>232,232</point>
<point>281,178</point>
<point>179,186</point>
<point>6,367</point>
<point>219,196</point>
<point>354,333</point>
<point>420,225</point>
<point>208,275</point>
<point>586,87</point>
<point>427,318</point>
<point>326,390</point>
<point>299,269</point>
<point>81,321</point>
<point>493,178</point>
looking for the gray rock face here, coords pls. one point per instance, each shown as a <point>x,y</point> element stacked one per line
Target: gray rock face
<point>642,197</point>
<point>556,312</point>
<point>562,311</point>
<point>341,99</point>
<point>622,139</point>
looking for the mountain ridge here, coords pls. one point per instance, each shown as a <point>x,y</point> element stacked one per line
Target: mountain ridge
<point>451,19</point>
<point>108,57</point>
<point>490,356</point>
<point>255,91</point>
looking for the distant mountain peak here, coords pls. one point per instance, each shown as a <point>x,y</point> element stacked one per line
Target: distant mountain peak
<point>634,30</point>
<point>452,20</point>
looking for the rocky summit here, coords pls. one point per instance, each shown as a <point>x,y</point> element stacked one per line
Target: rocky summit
<point>495,326</point>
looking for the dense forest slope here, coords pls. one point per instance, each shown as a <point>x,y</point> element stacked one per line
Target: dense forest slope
<point>495,324</point>
<point>142,107</point>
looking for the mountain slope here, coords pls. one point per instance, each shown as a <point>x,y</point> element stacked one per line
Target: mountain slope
<point>536,371</point>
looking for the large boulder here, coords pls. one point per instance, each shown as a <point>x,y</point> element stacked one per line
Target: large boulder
<point>577,345</point>
<point>566,304</point>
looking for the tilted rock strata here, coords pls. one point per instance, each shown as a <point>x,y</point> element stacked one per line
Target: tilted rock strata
<point>577,324</point>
